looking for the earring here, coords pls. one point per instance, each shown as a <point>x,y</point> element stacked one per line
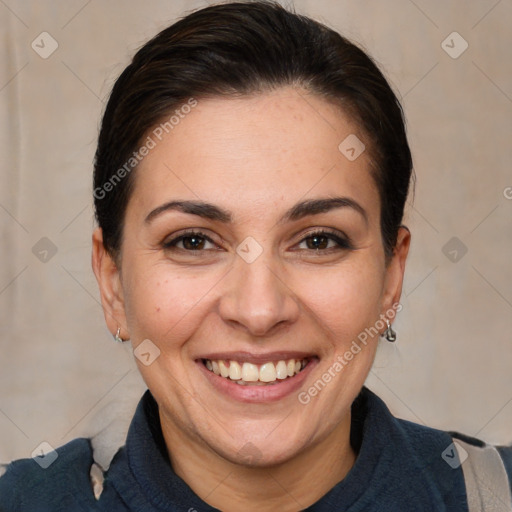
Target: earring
<point>389,333</point>
<point>117,336</point>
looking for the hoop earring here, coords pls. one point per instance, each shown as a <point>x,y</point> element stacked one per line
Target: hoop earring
<point>117,336</point>
<point>389,333</point>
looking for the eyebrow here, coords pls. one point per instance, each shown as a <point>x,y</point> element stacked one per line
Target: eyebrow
<point>296,212</point>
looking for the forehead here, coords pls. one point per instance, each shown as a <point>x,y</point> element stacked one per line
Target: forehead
<point>252,153</point>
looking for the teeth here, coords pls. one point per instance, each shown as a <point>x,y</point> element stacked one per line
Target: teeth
<point>224,370</point>
<point>290,368</point>
<point>265,374</point>
<point>250,372</point>
<point>281,370</point>
<point>258,383</point>
<point>268,372</point>
<point>235,371</point>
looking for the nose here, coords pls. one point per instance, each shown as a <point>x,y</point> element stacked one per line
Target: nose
<point>256,298</point>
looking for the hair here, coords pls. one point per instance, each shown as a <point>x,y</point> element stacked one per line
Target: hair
<point>246,48</point>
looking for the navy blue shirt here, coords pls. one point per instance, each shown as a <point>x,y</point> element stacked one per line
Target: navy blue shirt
<point>399,467</point>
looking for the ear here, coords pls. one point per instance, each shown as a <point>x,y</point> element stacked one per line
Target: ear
<point>109,282</point>
<point>395,269</point>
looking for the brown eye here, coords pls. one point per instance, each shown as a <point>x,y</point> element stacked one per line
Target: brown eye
<point>317,242</point>
<point>189,242</point>
<point>193,242</point>
<point>324,241</point>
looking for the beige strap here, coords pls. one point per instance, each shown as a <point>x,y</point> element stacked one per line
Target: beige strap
<point>97,478</point>
<point>487,484</point>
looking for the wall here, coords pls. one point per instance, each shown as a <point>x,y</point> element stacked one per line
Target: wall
<point>62,376</point>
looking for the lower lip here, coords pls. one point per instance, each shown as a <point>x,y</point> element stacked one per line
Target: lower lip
<point>258,394</point>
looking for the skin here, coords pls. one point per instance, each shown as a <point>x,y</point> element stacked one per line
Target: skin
<point>256,157</point>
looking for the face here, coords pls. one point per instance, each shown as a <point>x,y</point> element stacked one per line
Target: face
<point>251,242</point>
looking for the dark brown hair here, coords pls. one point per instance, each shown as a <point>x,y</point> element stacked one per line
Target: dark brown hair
<point>243,48</point>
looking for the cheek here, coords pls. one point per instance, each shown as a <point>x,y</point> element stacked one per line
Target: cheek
<point>162,304</point>
<point>344,300</point>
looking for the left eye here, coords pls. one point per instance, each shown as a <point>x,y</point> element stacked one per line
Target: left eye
<point>323,240</point>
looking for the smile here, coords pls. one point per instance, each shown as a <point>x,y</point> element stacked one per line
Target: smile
<point>250,377</point>
<point>249,374</point>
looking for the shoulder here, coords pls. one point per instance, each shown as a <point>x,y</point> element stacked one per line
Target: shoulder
<point>486,468</point>
<point>60,480</point>
<point>424,439</point>
<point>422,443</point>
<point>456,467</point>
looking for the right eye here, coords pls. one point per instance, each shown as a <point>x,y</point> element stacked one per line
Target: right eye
<point>191,241</point>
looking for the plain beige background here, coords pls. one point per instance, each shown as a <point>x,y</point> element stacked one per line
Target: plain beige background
<point>61,374</point>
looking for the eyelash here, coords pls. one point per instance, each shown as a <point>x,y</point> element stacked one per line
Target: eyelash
<point>344,243</point>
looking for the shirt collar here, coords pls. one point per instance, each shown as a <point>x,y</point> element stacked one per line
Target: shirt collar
<point>386,467</point>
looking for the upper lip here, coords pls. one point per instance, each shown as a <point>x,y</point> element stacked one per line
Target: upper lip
<point>253,358</point>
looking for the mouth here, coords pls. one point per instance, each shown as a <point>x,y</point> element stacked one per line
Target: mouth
<point>257,378</point>
<point>250,374</point>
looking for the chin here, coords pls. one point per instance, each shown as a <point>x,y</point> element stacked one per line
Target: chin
<point>260,451</point>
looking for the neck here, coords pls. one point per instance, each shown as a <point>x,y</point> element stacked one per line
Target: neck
<point>288,487</point>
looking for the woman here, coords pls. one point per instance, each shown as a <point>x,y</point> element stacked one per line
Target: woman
<point>250,181</point>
